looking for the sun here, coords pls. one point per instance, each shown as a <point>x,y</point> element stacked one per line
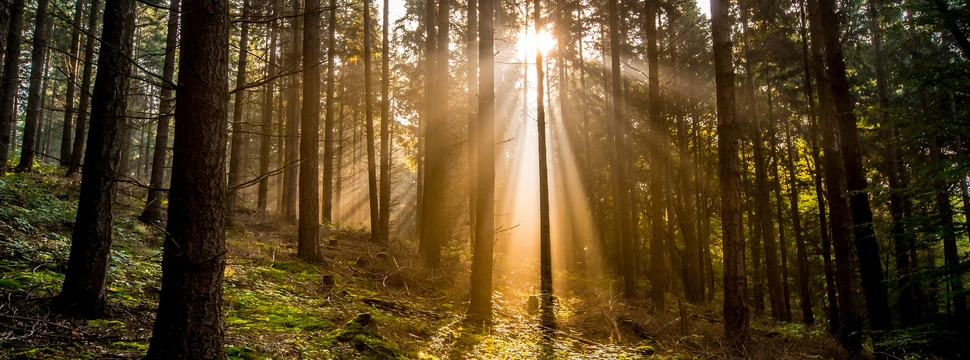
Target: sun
<point>528,42</point>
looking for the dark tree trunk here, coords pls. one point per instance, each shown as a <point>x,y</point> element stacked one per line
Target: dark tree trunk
<point>850,332</point>
<point>951,255</point>
<point>375,221</point>
<point>11,81</point>
<point>83,292</point>
<point>480,308</point>
<point>804,289</point>
<point>236,157</point>
<point>779,205</point>
<point>153,209</point>
<point>309,222</point>
<point>545,241</point>
<point>189,321</point>
<point>621,183</point>
<point>78,152</point>
<point>658,277</point>
<point>435,227</point>
<point>292,142</point>
<point>266,130</point>
<point>736,322</point>
<point>877,300</point>
<point>385,181</point>
<point>38,54</point>
<point>72,67</point>
<point>471,55</point>
<point>328,140</point>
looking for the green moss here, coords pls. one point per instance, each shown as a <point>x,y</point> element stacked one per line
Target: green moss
<point>130,346</point>
<point>9,284</point>
<point>243,353</point>
<point>105,323</point>
<point>361,334</point>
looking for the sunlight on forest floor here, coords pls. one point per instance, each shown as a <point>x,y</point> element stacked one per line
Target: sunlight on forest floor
<point>382,304</point>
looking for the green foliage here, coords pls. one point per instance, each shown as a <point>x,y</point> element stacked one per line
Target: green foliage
<point>361,334</point>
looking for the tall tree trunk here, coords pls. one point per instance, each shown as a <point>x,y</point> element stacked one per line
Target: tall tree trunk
<point>11,81</point>
<point>430,66</point>
<point>72,67</point>
<point>292,143</point>
<point>78,152</point>
<point>32,120</point>
<point>736,322</point>
<point>236,147</point>
<point>850,332</point>
<point>435,227</point>
<point>83,291</point>
<point>153,212</point>
<point>779,204</point>
<point>621,189</point>
<point>266,128</point>
<point>804,280</point>
<point>545,241</point>
<point>385,181</point>
<point>328,140</point>
<point>951,255</point>
<point>308,232</point>
<point>481,289</point>
<point>338,182</point>
<point>189,320</point>
<point>471,54</point>
<point>877,300</point>
<point>658,277</point>
<point>375,221</point>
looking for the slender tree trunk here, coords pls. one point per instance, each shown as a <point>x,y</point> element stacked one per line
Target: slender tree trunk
<point>153,212</point>
<point>11,81</point>
<point>189,322</point>
<point>779,205</point>
<point>736,322</point>
<point>292,143</point>
<point>481,299</point>
<point>338,182</point>
<point>951,255</point>
<point>83,291</point>
<point>72,67</point>
<point>266,130</point>
<point>328,141</point>
<point>309,220</point>
<point>471,54</point>
<point>658,277</point>
<point>385,180</point>
<point>32,120</point>
<point>375,221</point>
<point>435,227</point>
<point>620,182</point>
<point>877,299</point>
<point>545,242</point>
<point>236,148</point>
<point>78,152</point>
<point>850,332</point>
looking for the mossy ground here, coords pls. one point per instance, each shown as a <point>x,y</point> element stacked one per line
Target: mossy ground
<point>382,304</point>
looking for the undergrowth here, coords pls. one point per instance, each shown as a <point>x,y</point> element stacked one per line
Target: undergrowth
<point>381,304</point>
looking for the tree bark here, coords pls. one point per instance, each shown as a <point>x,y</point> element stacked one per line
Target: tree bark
<point>78,152</point>
<point>189,320</point>
<point>375,221</point>
<point>385,181</point>
<point>153,209</point>
<point>481,300</point>
<point>736,322</point>
<point>266,130</point>
<point>328,140</point>
<point>83,291</point>
<point>877,299</point>
<point>11,81</point>
<point>236,147</point>
<point>32,119</point>
<point>292,142</point>
<point>471,55</point>
<point>308,231</point>
<point>72,67</point>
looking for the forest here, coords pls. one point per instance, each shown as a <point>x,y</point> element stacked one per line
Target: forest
<point>484,179</point>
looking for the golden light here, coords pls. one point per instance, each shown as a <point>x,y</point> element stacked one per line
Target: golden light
<point>528,42</point>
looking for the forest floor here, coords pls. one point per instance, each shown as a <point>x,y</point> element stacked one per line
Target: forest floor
<point>382,305</point>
